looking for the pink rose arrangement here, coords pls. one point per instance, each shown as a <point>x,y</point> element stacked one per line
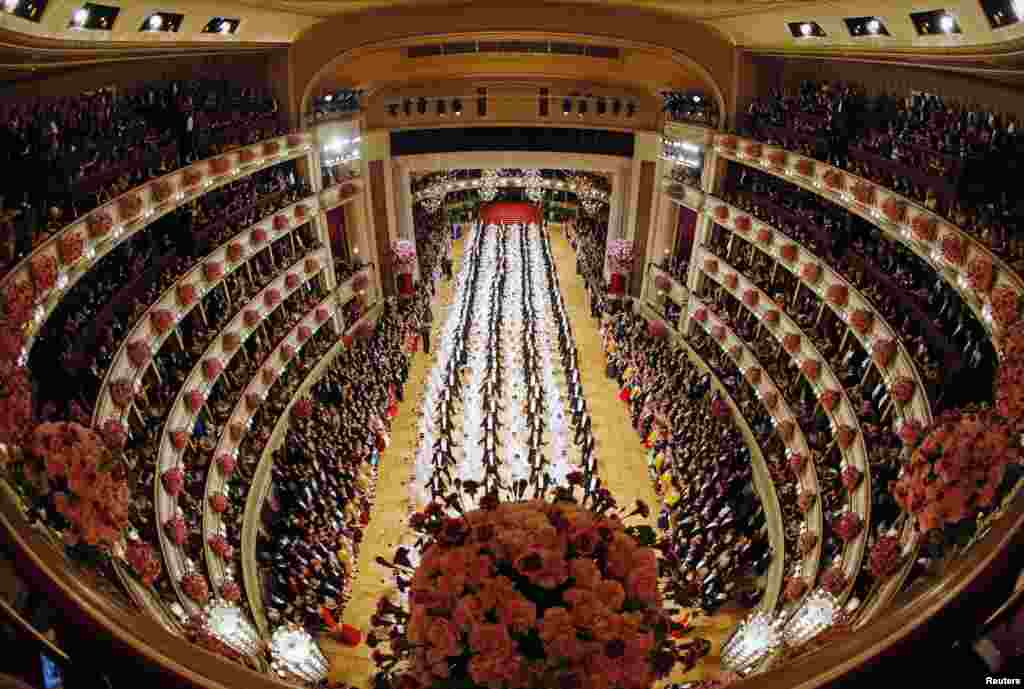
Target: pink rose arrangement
<point>139,353</point>
<point>953,248</point>
<point>830,399</point>
<point>811,369</point>
<point>805,167</point>
<point>523,594</point>
<point>161,320</point>
<point>235,251</point>
<point>788,252</point>
<point>838,295</point>
<point>99,224</point>
<point>43,269</point>
<point>186,293</point>
<point>291,281</point>
<point>742,224</point>
<point>894,209</point>
<point>792,342</point>
<point>173,481</point>
<point>226,463</point>
<point>213,271</point>
<point>750,297</point>
<point>143,560</point>
<point>849,526</point>
<point>271,297</point>
<point>212,368</point>
<point>862,321</point>
<point>303,408</point>
<point>70,246</point>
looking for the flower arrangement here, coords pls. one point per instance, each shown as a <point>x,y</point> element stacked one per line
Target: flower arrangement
<point>173,481</point>
<point>43,269</point>
<point>141,557</point>
<point>70,247</point>
<point>764,236</point>
<point>312,264</point>
<point>753,149</point>
<point>191,178</point>
<point>656,329</point>
<point>845,435</point>
<point>731,280</point>
<point>129,207</point>
<point>620,255</point>
<point>19,300</point>
<point>838,295</point>
<point>235,252</point>
<point>1009,402</point>
<point>303,408</point>
<point>139,353</point>
<point>1006,307</point>
<point>864,193</point>
<point>701,315</point>
<point>87,486</point>
<point>883,351</point>
<point>257,236</point>
<point>230,341</point>
<point>786,430</point>
<point>293,141</point>
<point>322,314</point>
<point>161,321</point>
<point>213,271</point>
<point>291,281</point>
<point>811,369</point>
<point>287,352</point>
<point>792,342</point>
<point>99,224</point>
<point>348,341</point>
<point>220,166</point>
<point>230,591</point>
<point>15,406</point>
<point>710,266</point>
<point>161,190</point>
<point>186,292</point>
<point>280,222</point>
<point>777,159</point>
<point>849,526</point>
<point>851,477</point>
<point>728,142</point>
<point>770,399</point>
<point>834,180</point>
<point>810,272</point>
<point>957,469</point>
<point>834,580</point>
<point>805,500</point>
<point>719,408</point>
<point>862,320</point>
<point>805,167</point>
<point>722,213</point>
<point>980,274</point>
<point>754,375</point>
<point>219,503</point>
<point>226,463</point>
<point>195,587</point>
<point>903,389</point>
<point>303,333</point>
<point>525,594</point>
<point>808,541</point>
<point>910,432</point>
<point>122,392</point>
<point>301,211</point>
<point>269,376</point>
<point>212,368</point>
<point>742,223</point>
<point>271,148</point>
<point>885,557</point>
<point>952,249</point>
<point>796,463</point>
<point>246,156</point>
<point>251,317</point>
<point>219,545</point>
<point>796,587</point>
<point>114,435</point>
<point>403,251</point>
<point>271,297</point>
<point>179,439</point>
<point>771,316</point>
<point>194,401</point>
<point>788,252</point>
<point>718,332</point>
<point>894,210</point>
<point>924,227</point>
<point>253,401</point>
<point>176,529</point>
<point>662,283</point>
<point>830,399</point>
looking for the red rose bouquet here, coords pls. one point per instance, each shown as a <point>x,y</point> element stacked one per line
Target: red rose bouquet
<point>849,526</point>
<point>213,271</point>
<point>830,399</point>
<point>99,224</point>
<point>251,317</point>
<point>953,248</point>
<point>731,280</point>
<point>862,321</point>
<point>910,432</point>
<point>173,481</point>
<point>851,477</point>
<point>19,300</point>
<point>291,281</point>
<point>162,320</point>
<point>235,252</point>
<point>271,148</point>
<point>226,463</point>
<point>796,587</point>
<point>701,315</point>
<point>810,272</point>
<point>742,224</point>
<point>271,297</point>
<point>805,167</point>
<point>139,353</point>
<point>503,596</point>
<point>885,557</point>
<point>43,269</point>
<point>764,236</point>
<point>722,213</point>
<point>903,389</point>
<point>186,293</point>
<point>70,246</point>
<point>838,295</point>
<point>792,342</point>
<point>219,545</point>
<point>230,341</point>
<point>788,252</point>
<point>894,210</point>
<point>280,222</point>
<point>212,368</point>
<point>195,587</point>
<point>89,487</point>
<point>924,227</point>
<point>980,274</point>
<point>811,369</point>
<point>143,560</point>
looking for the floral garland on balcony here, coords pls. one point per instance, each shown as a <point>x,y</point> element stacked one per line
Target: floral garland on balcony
<point>742,223</point>
<point>99,224</point>
<point>952,249</point>
<point>213,271</point>
<point>981,274</point>
<point>924,227</point>
<point>291,281</point>
<point>805,167</point>
<point>620,255</point>
<point>894,210</point>
<point>186,293</point>
<point>864,193</point>
<point>764,236</point>
<point>863,321</point>
<point>70,247</point>
<point>139,353</point>
<point>777,159</point>
<point>830,399</point>
<point>403,251</point>
<point>235,251</point>
<point>43,269</point>
<point>838,295</point>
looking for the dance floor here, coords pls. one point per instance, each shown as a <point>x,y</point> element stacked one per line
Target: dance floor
<point>621,462</point>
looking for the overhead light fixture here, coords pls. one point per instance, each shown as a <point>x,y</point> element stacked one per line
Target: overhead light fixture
<point>602,106</point>
<point>80,16</point>
<point>806,29</point>
<point>630,109</point>
<point>329,97</point>
<point>616,107</point>
<point>393,110</point>
<point>421,106</point>
<point>696,99</point>
<point>583,107</point>
<point>874,26</point>
<point>10,5</point>
<point>155,22</point>
<point>947,23</point>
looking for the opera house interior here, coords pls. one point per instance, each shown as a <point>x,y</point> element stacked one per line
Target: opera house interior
<point>692,326</point>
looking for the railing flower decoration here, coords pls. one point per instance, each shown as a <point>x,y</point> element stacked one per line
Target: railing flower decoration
<point>213,271</point>
<point>701,315</point>
<point>176,529</point>
<point>303,333</point>
<point>811,273</point>
<point>191,178</point>
<point>830,399</point>
<point>194,401</point>
<point>834,580</point>
<point>114,435</point>
<point>722,213</point>
<point>19,301</point>
<point>864,193</point>
<point>980,274</point>
<point>924,228</point>
<point>141,557</point>
<point>322,314</point>
<point>271,297</point>
<point>303,408</point>
<point>195,587</point>
<point>771,316</point>
<point>788,252</point>
<point>838,295</point>
<point>43,269</point>
<point>753,150</point>
<point>731,280</point>
<point>910,432</point>
<point>834,180</point>
<point>173,481</point>
<point>251,317</point>
<point>863,321</point>
<point>219,503</point>
<point>792,342</point>
<point>280,222</point>
<point>226,463</point>
<point>212,368</point>
<point>235,252</point>
<point>805,500</point>
<point>246,156</point>
<point>70,247</point>
<point>805,167</point>
<point>220,166</point>
<point>903,389</point>
<point>186,293</point>
<point>777,159</point>
<point>885,557</point>
<point>845,435</point>
<point>179,439</point>
<point>258,236</point>
<point>728,143</point>
<point>291,281</point>
<point>750,297</point>
<point>718,332</point>
<point>99,224</point>
<point>764,236</point>
<point>122,392</point>
<point>851,478</point>
<point>129,207</point>
<point>894,210</point>
<point>811,369</point>
<point>796,587</point>
<point>742,223</point>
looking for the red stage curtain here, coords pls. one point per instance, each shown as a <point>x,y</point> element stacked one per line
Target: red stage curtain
<point>510,212</point>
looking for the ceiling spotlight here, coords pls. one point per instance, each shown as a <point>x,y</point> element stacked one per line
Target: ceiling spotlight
<point>457,107</point>
<point>566,107</point>
<point>329,97</point>
<point>10,5</point>
<point>806,29</point>
<point>155,22</point>
<point>696,99</point>
<point>225,27</point>
<point>946,23</point>
<point>630,109</point>
<point>1018,8</point>
<point>602,106</point>
<point>80,17</point>
<point>393,110</point>
<point>874,26</point>
<point>407,107</point>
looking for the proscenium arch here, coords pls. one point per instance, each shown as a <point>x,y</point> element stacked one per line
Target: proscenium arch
<point>329,44</point>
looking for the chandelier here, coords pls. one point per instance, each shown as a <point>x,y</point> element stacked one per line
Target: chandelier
<point>295,655</point>
<point>228,624</point>
<point>488,185</point>
<point>590,197</point>
<point>432,197</point>
<point>431,204</point>
<point>532,180</point>
<point>756,638</point>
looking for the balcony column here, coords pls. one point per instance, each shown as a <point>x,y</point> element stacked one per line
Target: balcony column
<point>319,222</point>
<point>374,160</point>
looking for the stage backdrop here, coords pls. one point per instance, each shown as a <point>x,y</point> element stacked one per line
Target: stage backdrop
<point>509,212</point>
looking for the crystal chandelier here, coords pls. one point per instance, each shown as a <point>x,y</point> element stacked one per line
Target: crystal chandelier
<point>296,656</point>
<point>488,185</point>
<point>756,638</point>
<point>589,196</point>
<point>819,611</point>
<point>226,623</point>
